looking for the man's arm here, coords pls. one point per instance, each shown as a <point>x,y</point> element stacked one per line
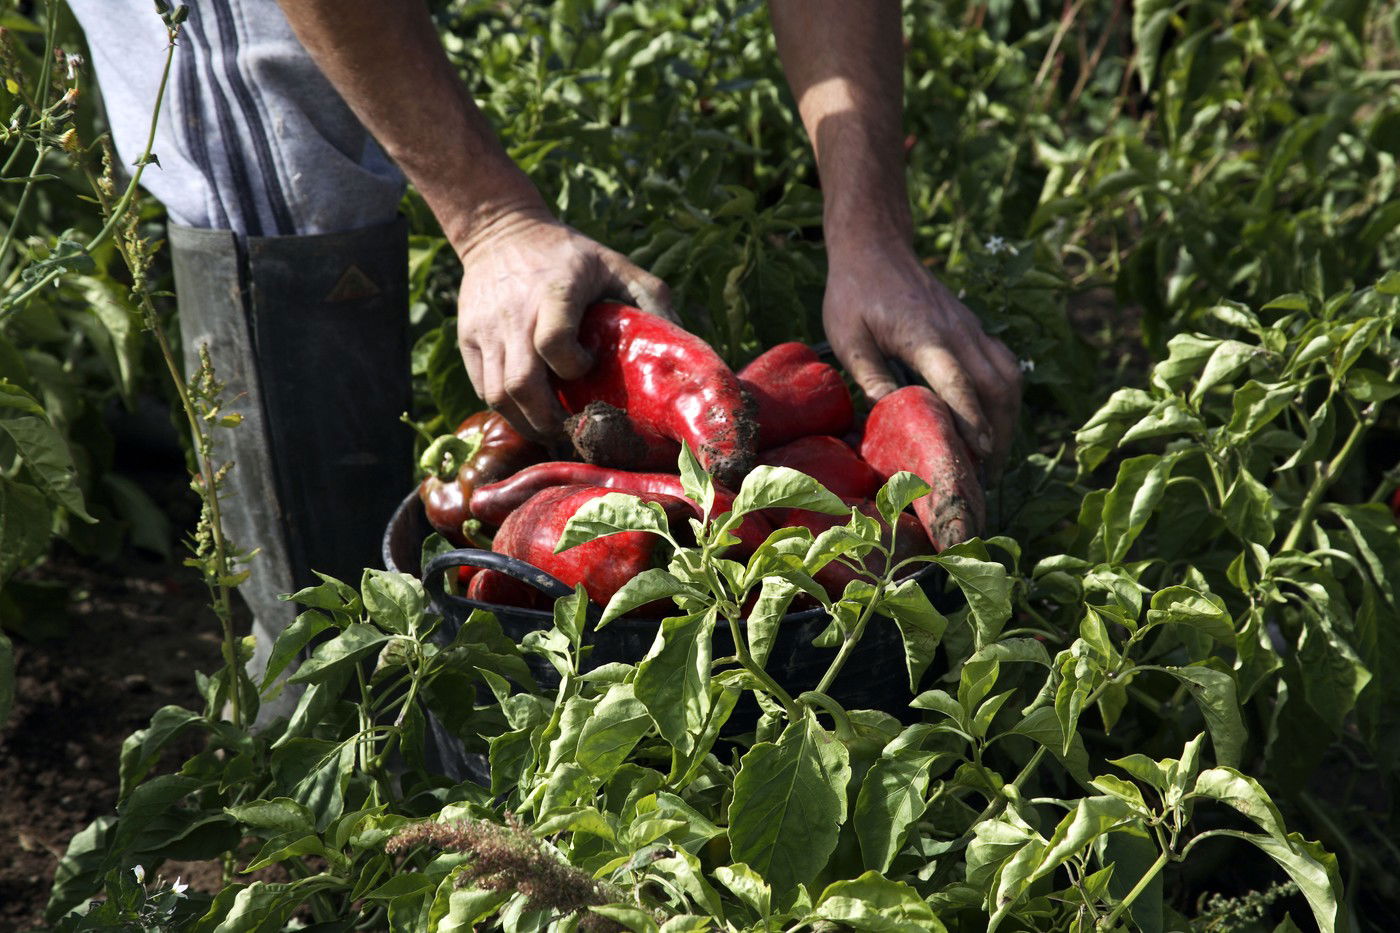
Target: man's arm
<point>844,62</point>
<point>526,278</point>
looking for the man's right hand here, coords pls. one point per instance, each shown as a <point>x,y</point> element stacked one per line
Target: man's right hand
<point>526,281</point>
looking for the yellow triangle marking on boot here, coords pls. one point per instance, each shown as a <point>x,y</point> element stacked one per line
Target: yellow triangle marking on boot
<point>353,285</point>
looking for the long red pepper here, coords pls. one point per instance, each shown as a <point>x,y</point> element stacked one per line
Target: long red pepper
<point>912,429</point>
<point>667,380</point>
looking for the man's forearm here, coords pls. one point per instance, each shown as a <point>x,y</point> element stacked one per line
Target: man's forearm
<point>844,62</point>
<point>384,58</point>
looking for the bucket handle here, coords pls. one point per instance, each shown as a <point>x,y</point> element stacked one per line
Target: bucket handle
<point>489,560</point>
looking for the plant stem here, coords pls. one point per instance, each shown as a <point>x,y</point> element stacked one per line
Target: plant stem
<point>1152,872</point>
<point>1326,476</point>
<point>849,644</point>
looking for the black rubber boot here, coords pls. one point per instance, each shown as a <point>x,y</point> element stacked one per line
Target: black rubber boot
<point>310,336</point>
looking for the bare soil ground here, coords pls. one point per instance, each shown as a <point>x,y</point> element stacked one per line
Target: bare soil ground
<point>128,643</point>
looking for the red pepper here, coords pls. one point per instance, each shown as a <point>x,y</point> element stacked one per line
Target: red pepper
<point>910,540</point>
<point>503,450</point>
<point>830,462</point>
<point>668,381</point>
<point>602,565</point>
<point>491,586</point>
<point>797,395</point>
<point>607,436</point>
<point>494,504</point>
<point>912,429</point>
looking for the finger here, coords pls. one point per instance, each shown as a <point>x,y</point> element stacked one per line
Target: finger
<point>555,337</point>
<point>527,384</point>
<point>947,375</point>
<point>471,359</point>
<point>638,286</point>
<point>862,358</point>
<point>494,391</point>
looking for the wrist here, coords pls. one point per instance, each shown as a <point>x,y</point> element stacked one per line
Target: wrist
<point>498,198</point>
<point>861,224</point>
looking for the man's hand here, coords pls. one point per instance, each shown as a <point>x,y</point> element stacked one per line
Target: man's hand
<point>882,303</point>
<point>845,64</point>
<point>526,280</point>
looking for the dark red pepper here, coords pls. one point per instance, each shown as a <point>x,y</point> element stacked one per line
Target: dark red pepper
<point>912,429</point>
<point>602,565</point>
<point>668,381</point>
<point>502,451</point>
<point>494,504</point>
<point>796,394</point>
<point>830,462</point>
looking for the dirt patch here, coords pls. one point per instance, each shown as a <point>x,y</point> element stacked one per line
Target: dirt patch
<point>127,642</point>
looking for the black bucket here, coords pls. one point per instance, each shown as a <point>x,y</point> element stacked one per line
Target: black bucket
<point>873,677</point>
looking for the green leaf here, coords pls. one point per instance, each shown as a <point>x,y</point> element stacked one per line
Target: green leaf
<point>291,642</point>
<point>1256,405</point>
<point>1214,693</point>
<point>611,514</point>
<point>1226,360</point>
<point>46,456</point>
<point>1044,727</point>
<point>899,492</point>
<point>774,598</point>
<point>1135,495</point>
<point>921,626</point>
<point>890,801</point>
<point>1102,432</point>
<point>874,903</point>
<point>617,724</point>
<point>1312,868</point>
<point>747,885</point>
<point>1182,605</point>
<point>1248,510</point>
<point>988,591</point>
<point>142,749</point>
<point>673,680</point>
<point>395,600</point>
<point>772,487</point>
<point>1186,356</point>
<point>281,814</point>
<point>1090,819</point>
<point>1245,794</point>
<point>698,485</point>
<point>349,647</point>
<point>648,586</point>
<point>1150,21</point>
<point>789,803</point>
<point>25,526</point>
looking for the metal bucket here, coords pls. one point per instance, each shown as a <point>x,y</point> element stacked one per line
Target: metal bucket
<point>873,677</point>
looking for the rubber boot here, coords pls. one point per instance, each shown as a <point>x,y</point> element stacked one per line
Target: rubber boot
<point>310,336</point>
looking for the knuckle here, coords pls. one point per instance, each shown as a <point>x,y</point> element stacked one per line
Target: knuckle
<point>518,384</point>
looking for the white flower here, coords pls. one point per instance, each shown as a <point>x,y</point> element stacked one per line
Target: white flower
<point>1027,366</point>
<point>140,872</point>
<point>997,245</point>
<point>74,61</point>
<point>179,887</point>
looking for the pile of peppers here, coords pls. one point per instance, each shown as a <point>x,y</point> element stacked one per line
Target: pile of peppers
<point>653,386</point>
